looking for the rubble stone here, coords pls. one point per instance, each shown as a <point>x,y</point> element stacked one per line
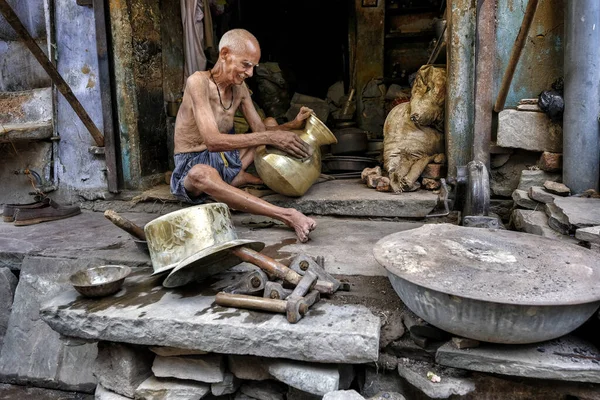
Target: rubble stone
<point>522,199</point>
<point>528,130</point>
<point>8,284</point>
<point>121,368</point>
<point>464,343</point>
<point>105,394</point>
<point>505,179</point>
<point>556,188</point>
<point>538,193</point>
<point>249,367</point>
<point>550,162</point>
<point>580,212</point>
<point>529,107</point>
<point>311,378</point>
<point>32,353</point>
<point>154,388</point>
<point>557,220</point>
<point>343,395</point>
<point>591,234</point>
<point>536,360</point>
<point>229,385</point>
<point>267,390</point>
<point>534,222</point>
<point>415,372</point>
<point>209,368</point>
<point>498,160</point>
<point>536,177</point>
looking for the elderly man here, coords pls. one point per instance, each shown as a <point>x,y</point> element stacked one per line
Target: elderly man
<point>209,159</point>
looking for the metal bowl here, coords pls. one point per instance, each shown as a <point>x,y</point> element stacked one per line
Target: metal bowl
<point>100,281</point>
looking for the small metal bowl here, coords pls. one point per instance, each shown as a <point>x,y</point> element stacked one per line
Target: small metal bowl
<point>100,281</point>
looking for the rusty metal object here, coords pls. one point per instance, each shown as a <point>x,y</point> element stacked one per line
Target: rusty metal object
<point>492,285</point>
<point>484,81</point>
<point>292,176</point>
<point>515,55</point>
<point>301,263</point>
<point>305,285</point>
<point>272,267</point>
<point>125,224</point>
<point>194,242</point>
<point>100,281</point>
<point>14,21</point>
<point>293,309</point>
<point>274,290</point>
<point>250,283</point>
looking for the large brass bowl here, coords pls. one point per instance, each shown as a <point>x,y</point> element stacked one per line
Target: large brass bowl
<point>292,176</point>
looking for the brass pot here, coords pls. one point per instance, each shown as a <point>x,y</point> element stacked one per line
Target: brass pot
<point>293,176</point>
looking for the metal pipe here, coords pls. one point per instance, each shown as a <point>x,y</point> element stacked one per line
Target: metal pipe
<point>581,132</point>
<point>485,46</point>
<point>515,55</point>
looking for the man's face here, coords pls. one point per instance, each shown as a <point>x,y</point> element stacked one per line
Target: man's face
<point>240,65</point>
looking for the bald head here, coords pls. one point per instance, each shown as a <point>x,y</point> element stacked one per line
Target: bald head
<point>239,40</point>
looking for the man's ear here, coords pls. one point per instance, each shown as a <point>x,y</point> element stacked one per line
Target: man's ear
<point>224,53</point>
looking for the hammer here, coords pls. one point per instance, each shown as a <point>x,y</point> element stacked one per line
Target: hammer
<point>279,270</point>
<point>294,309</point>
<point>274,290</point>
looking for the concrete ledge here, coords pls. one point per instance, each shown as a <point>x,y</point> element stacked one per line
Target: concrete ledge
<point>145,313</point>
<point>351,198</point>
<point>25,131</point>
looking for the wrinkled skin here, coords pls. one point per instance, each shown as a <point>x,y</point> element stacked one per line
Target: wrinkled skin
<point>409,144</point>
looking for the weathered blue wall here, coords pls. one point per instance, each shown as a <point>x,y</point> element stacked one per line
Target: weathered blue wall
<point>541,61</point>
<point>79,171</point>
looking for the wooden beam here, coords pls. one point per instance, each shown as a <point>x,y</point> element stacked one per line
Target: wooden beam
<point>58,80</point>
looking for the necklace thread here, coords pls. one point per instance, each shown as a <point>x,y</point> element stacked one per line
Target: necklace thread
<point>219,93</point>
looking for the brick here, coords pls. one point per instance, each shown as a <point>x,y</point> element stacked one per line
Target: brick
<point>550,162</point>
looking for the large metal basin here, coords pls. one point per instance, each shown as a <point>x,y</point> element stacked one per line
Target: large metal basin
<point>292,176</point>
<point>492,285</point>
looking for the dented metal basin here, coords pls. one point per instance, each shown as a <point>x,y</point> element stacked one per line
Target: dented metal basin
<point>492,285</point>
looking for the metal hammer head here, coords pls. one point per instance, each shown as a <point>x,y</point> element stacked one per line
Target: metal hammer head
<point>295,309</point>
<point>302,263</point>
<point>274,290</point>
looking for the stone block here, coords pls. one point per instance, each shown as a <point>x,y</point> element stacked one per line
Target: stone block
<point>311,378</point>
<point>557,220</point>
<point>580,212</point>
<point>174,351</point>
<point>209,368</point>
<point>522,199</point>
<point>8,285</point>
<point>465,343</point>
<point>498,160</point>
<point>121,368</point>
<point>266,390</point>
<point>591,234</point>
<point>534,222</point>
<point>556,188</point>
<point>550,162</point>
<point>538,193</point>
<point>249,367</point>
<point>229,385</point>
<point>32,353</point>
<point>537,360</point>
<point>434,171</point>
<point>505,179</point>
<point>536,177</point>
<point>451,383</point>
<point>343,395</point>
<point>528,130</point>
<point>529,107</point>
<point>154,388</point>
<point>105,394</point>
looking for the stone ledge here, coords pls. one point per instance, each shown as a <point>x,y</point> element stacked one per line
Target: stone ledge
<point>145,313</point>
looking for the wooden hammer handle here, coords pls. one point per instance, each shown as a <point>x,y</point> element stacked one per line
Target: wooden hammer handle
<point>125,224</point>
<point>268,264</point>
<point>251,302</point>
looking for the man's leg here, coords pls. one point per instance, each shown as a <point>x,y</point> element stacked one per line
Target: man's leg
<point>205,179</point>
<point>244,178</point>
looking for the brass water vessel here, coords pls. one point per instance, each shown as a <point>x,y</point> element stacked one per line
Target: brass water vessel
<point>291,176</point>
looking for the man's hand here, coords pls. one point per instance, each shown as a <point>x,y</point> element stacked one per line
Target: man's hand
<point>303,114</point>
<point>290,143</point>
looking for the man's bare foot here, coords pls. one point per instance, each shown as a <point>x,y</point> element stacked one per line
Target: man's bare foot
<point>244,178</point>
<point>301,224</point>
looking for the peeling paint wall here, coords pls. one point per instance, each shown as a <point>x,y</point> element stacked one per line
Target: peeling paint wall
<point>79,171</point>
<point>541,61</point>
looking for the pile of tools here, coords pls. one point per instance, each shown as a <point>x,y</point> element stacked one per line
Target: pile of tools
<point>307,277</point>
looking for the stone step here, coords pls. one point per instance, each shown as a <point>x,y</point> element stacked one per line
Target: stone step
<point>26,115</point>
<point>28,131</point>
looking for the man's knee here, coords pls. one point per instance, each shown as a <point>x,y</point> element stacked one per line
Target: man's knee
<point>201,176</point>
<point>270,121</point>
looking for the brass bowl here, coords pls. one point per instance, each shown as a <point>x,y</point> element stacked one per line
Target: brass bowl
<point>100,281</point>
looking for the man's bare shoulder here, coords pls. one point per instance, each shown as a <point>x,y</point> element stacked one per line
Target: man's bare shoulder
<point>197,79</point>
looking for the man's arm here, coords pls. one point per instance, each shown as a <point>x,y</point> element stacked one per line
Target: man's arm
<point>296,123</point>
<point>216,141</point>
